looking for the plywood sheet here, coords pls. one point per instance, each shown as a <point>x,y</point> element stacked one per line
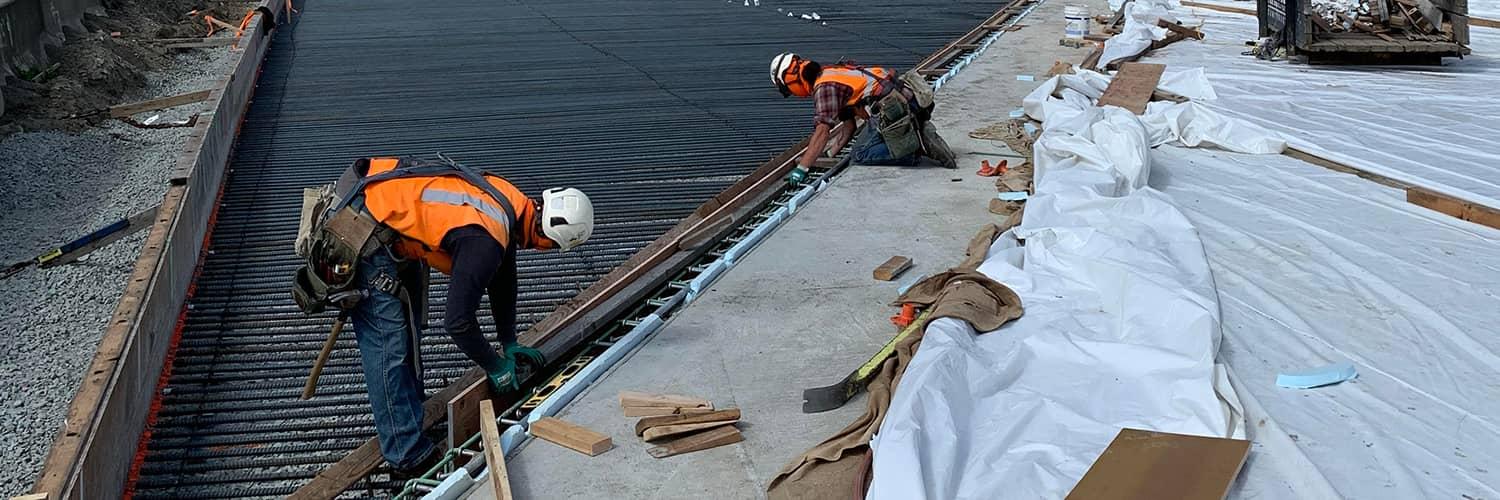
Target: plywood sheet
<point>1143,465</point>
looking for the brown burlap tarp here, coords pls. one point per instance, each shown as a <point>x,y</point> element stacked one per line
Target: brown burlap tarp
<point>838,467</point>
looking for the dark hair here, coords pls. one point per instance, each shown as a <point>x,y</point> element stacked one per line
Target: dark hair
<point>810,72</point>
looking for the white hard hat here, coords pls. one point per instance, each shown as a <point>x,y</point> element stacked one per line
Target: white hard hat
<point>567,217</point>
<point>779,65</point>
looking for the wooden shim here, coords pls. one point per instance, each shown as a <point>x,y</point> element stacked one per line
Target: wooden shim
<point>712,438</point>
<point>494,456</point>
<point>725,415</point>
<point>1132,86</point>
<point>657,411</point>
<point>463,411</point>
<point>665,431</point>
<point>1140,465</point>
<point>1456,207</point>
<point>635,398</point>
<point>1180,29</point>
<point>892,268</point>
<point>570,436</point>
<point>155,104</point>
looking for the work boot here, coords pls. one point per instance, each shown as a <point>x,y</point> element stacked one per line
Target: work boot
<point>933,146</point>
<point>422,467</point>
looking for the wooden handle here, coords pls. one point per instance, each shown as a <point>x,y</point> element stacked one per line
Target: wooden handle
<point>317,368</point>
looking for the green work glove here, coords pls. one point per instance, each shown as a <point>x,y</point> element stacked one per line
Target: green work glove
<point>526,355</point>
<point>798,175</point>
<point>503,377</point>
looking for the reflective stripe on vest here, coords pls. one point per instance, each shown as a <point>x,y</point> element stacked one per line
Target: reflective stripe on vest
<point>435,195</point>
<point>864,85</point>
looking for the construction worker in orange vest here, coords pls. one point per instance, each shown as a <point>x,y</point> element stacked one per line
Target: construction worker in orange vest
<point>843,92</point>
<point>438,214</point>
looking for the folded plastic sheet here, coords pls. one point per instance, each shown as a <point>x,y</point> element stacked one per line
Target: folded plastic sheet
<point>1122,321</point>
<point>1139,30</point>
<point>1432,126</point>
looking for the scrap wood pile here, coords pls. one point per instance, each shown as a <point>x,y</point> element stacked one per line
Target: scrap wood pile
<point>1389,20</point>
<point>1119,23</point>
<point>680,424</point>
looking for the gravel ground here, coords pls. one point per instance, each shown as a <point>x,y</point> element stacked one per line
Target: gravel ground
<point>58,186</point>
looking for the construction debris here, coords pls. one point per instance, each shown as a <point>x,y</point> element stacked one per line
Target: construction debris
<point>640,404</point>
<point>493,456</point>
<point>1143,465</point>
<point>1418,30</point>
<point>712,438</point>
<point>1132,86</point>
<point>570,436</point>
<point>892,268</point>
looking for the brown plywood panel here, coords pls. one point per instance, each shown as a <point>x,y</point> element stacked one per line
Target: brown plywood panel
<point>1146,465</point>
<point>1132,86</point>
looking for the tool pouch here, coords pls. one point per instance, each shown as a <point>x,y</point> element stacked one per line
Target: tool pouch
<point>334,247</point>
<point>921,94</point>
<point>898,126</point>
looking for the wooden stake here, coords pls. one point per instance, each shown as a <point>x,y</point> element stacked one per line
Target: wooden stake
<point>659,432</point>
<point>633,398</point>
<point>493,455</point>
<point>892,268</point>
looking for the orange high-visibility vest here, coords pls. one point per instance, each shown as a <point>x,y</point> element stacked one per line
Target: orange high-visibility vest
<point>423,209</point>
<point>865,86</point>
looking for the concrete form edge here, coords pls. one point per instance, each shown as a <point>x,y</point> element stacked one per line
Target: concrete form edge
<point>96,447</point>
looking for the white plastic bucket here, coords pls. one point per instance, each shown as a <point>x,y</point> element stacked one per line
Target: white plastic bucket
<point>1078,20</point>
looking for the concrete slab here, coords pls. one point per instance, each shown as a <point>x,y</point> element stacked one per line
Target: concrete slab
<point>801,310</point>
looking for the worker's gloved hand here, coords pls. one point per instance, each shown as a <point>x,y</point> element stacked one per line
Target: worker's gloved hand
<point>503,377</point>
<point>797,175</point>
<point>525,355</point>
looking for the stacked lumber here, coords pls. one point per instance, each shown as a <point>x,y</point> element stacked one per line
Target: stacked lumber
<point>680,424</point>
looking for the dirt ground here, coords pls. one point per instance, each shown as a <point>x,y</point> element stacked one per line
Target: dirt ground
<point>106,64</point>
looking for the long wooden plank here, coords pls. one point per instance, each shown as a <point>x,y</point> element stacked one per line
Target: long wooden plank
<point>636,398</point>
<point>155,104</point>
<point>493,455</point>
<point>665,431</point>
<point>1220,8</point>
<point>463,411</point>
<point>1456,207</point>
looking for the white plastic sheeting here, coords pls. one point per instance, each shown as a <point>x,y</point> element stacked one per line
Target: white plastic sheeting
<point>1122,321</point>
<point>1140,29</point>
<point>1314,267</point>
<point>1429,126</point>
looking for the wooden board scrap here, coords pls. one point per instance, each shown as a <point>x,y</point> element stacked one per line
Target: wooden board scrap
<point>634,398</point>
<point>657,411</point>
<point>1132,86</point>
<point>155,104</point>
<point>494,456</point>
<point>892,268</point>
<point>712,438</point>
<point>1143,465</point>
<point>1462,209</point>
<point>725,415</point>
<point>571,436</point>
<point>665,431</point>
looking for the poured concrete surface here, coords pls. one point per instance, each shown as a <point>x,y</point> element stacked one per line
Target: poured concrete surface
<point>802,310</point>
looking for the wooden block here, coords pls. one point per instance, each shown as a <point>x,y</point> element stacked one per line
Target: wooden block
<point>1180,29</point>
<point>570,436</point>
<point>725,415</point>
<point>155,104</point>
<point>463,412</point>
<point>1060,68</point>
<point>33,496</point>
<point>892,268</point>
<point>712,438</point>
<point>1132,86</point>
<point>494,456</point>
<point>657,411</point>
<point>666,431</point>
<point>633,398</point>
<point>1150,465</point>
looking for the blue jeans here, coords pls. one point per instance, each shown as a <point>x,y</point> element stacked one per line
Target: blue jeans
<point>870,149</point>
<point>381,325</point>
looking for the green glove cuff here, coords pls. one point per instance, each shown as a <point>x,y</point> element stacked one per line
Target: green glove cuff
<point>503,377</point>
<point>797,175</point>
